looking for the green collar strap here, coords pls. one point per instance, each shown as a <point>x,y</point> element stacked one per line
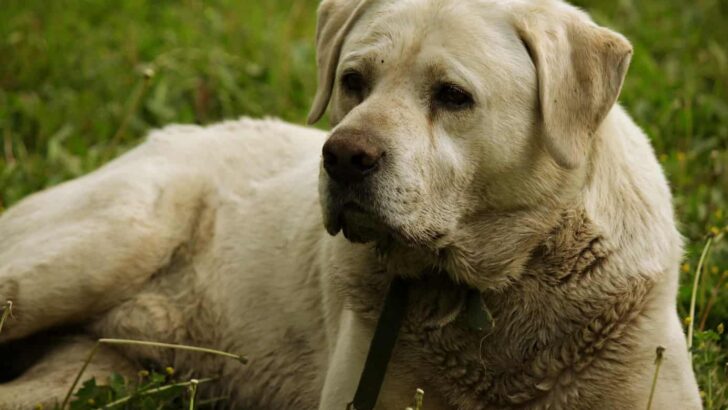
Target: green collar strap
<point>381,347</point>
<point>477,318</point>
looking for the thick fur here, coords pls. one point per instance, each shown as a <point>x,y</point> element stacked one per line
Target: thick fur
<point>543,195</point>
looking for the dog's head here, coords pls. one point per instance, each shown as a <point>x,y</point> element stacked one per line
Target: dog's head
<point>447,109</point>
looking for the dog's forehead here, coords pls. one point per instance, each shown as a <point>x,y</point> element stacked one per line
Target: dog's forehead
<point>470,42</point>
<point>405,28</point>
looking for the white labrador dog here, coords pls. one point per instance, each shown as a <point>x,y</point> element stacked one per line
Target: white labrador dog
<point>476,146</point>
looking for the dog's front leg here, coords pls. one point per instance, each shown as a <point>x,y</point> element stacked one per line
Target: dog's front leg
<point>346,362</point>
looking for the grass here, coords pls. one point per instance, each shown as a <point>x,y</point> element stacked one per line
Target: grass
<point>83,80</point>
<point>192,383</point>
<point>119,392</point>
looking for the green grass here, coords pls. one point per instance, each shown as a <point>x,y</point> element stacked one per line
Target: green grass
<point>73,94</point>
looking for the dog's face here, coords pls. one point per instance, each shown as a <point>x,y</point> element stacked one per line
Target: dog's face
<point>444,110</point>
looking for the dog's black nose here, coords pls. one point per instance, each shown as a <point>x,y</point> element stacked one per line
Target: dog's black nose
<point>351,156</point>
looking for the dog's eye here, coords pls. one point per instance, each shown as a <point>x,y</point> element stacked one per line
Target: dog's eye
<point>353,82</point>
<point>453,97</point>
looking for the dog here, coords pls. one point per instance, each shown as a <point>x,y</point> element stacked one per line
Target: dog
<point>477,146</point>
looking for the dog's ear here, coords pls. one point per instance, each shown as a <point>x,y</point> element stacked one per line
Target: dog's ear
<point>580,68</point>
<point>335,20</point>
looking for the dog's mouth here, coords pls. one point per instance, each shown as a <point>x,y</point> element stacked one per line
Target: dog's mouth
<point>363,216</point>
<point>359,224</point>
<point>352,210</point>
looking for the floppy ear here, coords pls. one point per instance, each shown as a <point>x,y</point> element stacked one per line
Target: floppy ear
<point>335,20</point>
<point>580,68</point>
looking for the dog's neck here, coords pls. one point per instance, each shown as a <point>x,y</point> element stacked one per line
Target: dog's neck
<point>493,249</point>
<point>490,250</point>
<point>558,317</point>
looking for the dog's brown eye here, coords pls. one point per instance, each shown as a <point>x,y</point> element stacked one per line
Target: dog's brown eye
<point>353,82</point>
<point>453,97</point>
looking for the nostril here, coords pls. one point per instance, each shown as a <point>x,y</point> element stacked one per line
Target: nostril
<point>329,158</point>
<point>363,162</point>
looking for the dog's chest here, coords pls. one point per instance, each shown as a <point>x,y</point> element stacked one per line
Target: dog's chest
<point>532,357</point>
<point>473,368</point>
<point>436,344</point>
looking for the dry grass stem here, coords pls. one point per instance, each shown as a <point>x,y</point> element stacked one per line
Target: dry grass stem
<point>242,359</point>
<point>696,282</point>
<point>70,391</point>
<point>419,399</point>
<point>193,393</point>
<point>7,310</point>
<point>658,362</point>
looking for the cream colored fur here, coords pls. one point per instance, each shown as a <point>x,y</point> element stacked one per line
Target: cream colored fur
<point>543,195</point>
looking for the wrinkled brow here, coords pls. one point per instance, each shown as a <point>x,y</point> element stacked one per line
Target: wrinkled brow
<point>446,69</point>
<point>362,60</point>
